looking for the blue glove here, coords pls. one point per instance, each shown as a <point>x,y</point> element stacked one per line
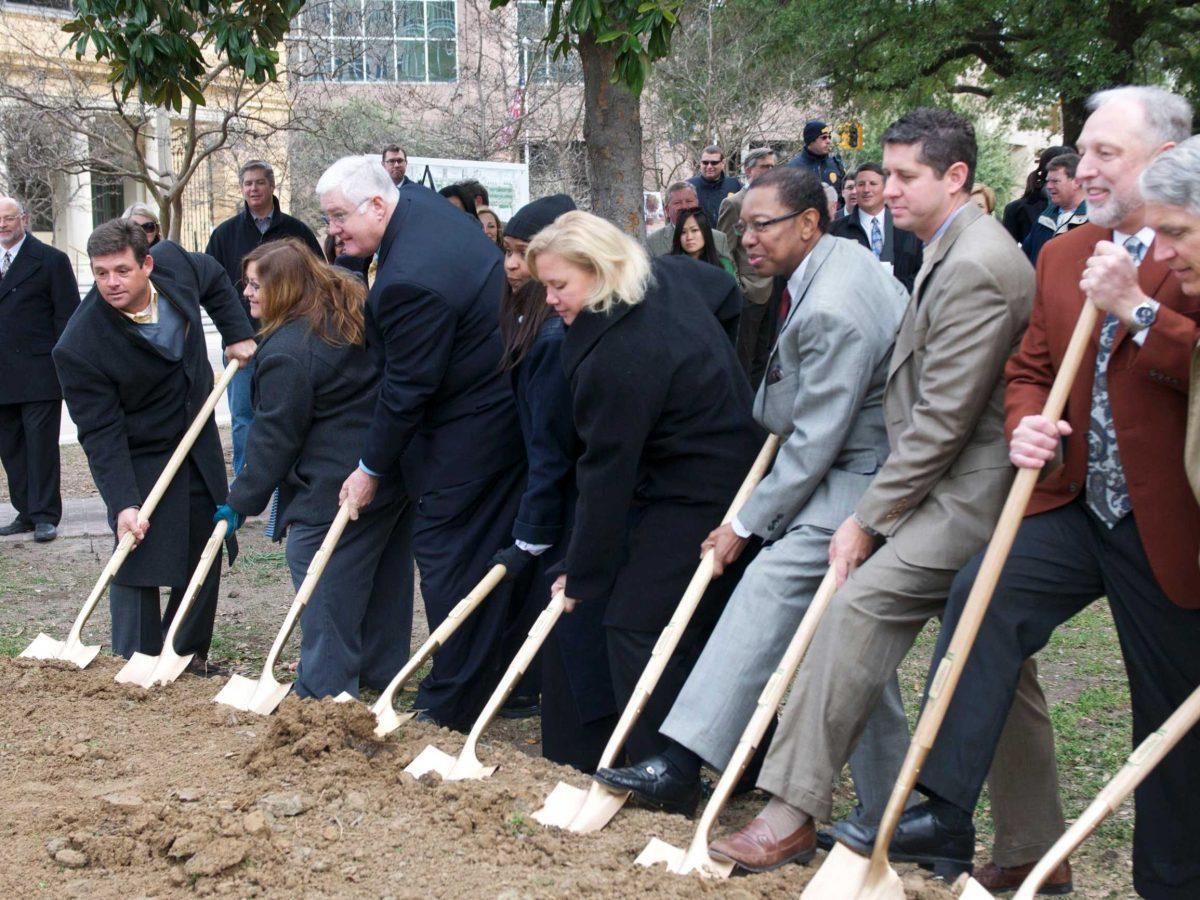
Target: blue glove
<point>232,517</point>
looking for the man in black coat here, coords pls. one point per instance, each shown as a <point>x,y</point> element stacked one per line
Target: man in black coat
<point>259,221</point>
<point>445,419</point>
<point>38,293</point>
<point>871,225</point>
<point>134,371</point>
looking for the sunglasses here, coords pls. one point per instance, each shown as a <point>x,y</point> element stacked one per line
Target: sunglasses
<point>149,227</point>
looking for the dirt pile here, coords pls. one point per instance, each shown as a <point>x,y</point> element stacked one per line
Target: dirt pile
<point>110,790</point>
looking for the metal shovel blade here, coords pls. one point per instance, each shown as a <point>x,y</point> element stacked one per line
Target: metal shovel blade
<point>683,862</point>
<point>599,807</point>
<point>344,697</point>
<point>46,647</point>
<point>238,692</point>
<point>562,806</point>
<point>973,890</point>
<point>269,694</point>
<point>846,875</point>
<point>147,671</point>
<point>257,695</point>
<point>431,759</point>
<point>388,720</point>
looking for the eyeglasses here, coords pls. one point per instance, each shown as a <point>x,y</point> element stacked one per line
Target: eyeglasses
<point>9,220</point>
<point>149,227</point>
<point>711,162</point>
<point>740,227</point>
<point>339,218</point>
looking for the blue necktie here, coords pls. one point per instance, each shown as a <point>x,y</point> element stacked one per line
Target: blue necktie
<point>876,239</point>
<point>1107,492</point>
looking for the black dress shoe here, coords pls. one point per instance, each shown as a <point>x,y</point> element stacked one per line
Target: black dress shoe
<point>16,526</point>
<point>44,532</point>
<point>654,782</point>
<point>927,835</point>
<point>520,707</point>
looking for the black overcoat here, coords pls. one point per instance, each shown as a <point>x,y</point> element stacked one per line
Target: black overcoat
<point>663,409</point>
<point>445,414</point>
<point>906,250</point>
<point>132,404</point>
<point>313,403</point>
<point>37,297</point>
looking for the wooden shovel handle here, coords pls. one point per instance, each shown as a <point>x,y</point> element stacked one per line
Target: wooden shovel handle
<point>1140,763</point>
<point>211,550</point>
<point>671,635</point>
<point>945,679</point>
<point>316,568</point>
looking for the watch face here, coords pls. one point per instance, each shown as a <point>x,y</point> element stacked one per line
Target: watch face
<point>1144,316</point>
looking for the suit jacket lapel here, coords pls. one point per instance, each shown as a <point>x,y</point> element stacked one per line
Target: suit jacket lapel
<point>28,261</point>
<point>816,259</point>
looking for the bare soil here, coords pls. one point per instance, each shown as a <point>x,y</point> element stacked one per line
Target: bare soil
<point>114,791</point>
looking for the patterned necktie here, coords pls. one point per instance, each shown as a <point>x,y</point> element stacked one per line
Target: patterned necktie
<point>785,306</point>
<point>5,263</point>
<point>1107,493</point>
<point>876,239</point>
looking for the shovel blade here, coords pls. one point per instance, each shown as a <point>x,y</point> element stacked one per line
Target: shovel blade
<point>79,653</point>
<point>238,692</point>
<point>431,759</point>
<point>345,697</point>
<point>599,807</point>
<point>170,667</point>
<point>973,890</point>
<point>561,806</point>
<point>467,769</point>
<point>138,670</point>
<point>43,647</point>
<point>846,875</point>
<point>268,695</point>
<point>683,862</point>
<point>388,720</point>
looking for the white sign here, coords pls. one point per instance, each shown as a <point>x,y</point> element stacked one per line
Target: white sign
<point>507,183</point>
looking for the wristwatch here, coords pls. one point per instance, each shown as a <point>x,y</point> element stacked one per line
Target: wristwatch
<point>1144,315</point>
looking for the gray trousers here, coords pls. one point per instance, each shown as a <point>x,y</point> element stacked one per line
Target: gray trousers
<point>357,626</point>
<point>719,697</point>
<point>868,630</point>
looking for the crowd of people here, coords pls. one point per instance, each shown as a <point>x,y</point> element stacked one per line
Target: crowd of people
<point>553,395</point>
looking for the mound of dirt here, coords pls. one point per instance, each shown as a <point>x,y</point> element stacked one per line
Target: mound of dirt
<point>113,791</point>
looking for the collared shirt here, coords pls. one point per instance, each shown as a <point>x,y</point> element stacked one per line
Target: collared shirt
<point>1146,236</point>
<point>262,224</point>
<point>13,250</point>
<point>794,283</point>
<point>865,219</point>
<point>942,228</point>
<point>149,315</point>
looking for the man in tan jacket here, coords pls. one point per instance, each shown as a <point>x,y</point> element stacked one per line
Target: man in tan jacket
<point>933,506</point>
<point>756,329</point>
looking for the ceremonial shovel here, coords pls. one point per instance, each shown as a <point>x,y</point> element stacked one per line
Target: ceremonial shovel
<point>73,649</point>
<point>695,858</point>
<point>385,713</point>
<point>845,873</point>
<point>263,694</point>
<point>466,764</point>
<point>583,811</point>
<point>1140,764</point>
<point>149,670</point>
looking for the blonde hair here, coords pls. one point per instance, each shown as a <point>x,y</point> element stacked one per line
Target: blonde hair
<point>619,263</point>
<point>988,195</point>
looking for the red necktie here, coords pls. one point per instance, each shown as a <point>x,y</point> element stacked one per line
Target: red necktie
<point>785,306</point>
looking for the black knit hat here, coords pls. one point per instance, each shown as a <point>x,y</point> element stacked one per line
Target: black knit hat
<point>533,217</point>
<point>814,128</point>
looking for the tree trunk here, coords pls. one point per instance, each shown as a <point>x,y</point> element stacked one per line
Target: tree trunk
<point>612,131</point>
<point>1074,114</point>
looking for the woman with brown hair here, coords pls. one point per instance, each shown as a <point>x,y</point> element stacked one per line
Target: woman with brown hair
<point>314,393</point>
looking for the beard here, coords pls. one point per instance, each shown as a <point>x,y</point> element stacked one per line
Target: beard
<point>1115,211</point>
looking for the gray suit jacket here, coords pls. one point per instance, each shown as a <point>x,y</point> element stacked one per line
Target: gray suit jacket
<point>824,391</point>
<point>755,288</point>
<point>939,494</point>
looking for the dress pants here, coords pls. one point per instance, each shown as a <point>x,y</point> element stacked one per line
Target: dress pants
<point>241,412</point>
<point>29,452</point>
<point>137,625</point>
<point>755,330</point>
<point>457,531</point>
<point>720,696</point>
<point>357,626</point>
<point>866,633</point>
<point>1062,561</point>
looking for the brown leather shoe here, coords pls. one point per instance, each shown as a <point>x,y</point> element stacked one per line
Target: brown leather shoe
<point>755,848</point>
<point>1002,880</point>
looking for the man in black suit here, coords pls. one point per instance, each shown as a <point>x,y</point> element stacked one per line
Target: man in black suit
<point>445,420</point>
<point>38,293</point>
<point>134,371</point>
<point>872,226</point>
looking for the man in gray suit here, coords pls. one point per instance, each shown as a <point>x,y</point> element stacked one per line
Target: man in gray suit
<point>681,196</point>
<point>823,394</point>
<point>933,504</point>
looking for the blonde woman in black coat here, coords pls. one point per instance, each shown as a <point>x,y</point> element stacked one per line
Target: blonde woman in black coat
<point>663,411</point>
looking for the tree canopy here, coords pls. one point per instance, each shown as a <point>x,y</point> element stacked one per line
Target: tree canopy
<point>1023,56</point>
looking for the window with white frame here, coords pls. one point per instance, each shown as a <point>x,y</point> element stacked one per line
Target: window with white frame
<point>536,57</point>
<point>376,40</point>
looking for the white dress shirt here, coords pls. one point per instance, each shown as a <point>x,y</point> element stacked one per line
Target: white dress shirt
<point>1146,236</point>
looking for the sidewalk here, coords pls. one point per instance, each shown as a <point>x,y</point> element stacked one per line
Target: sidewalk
<point>82,517</point>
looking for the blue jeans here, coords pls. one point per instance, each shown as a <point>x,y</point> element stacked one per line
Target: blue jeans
<point>241,411</point>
